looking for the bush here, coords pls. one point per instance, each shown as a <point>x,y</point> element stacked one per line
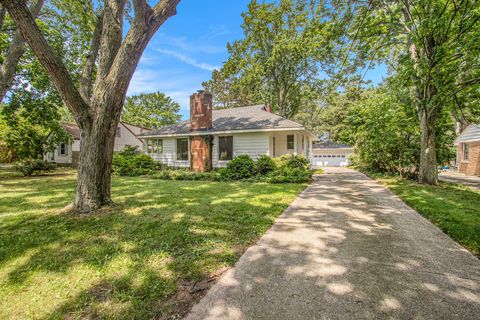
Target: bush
<point>130,162</point>
<point>264,165</point>
<point>241,167</point>
<point>31,166</point>
<point>294,161</point>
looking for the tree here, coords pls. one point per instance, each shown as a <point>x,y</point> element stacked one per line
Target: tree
<point>434,48</point>
<point>14,51</point>
<point>97,103</point>
<point>151,110</point>
<point>29,126</point>
<point>383,126</point>
<point>286,49</point>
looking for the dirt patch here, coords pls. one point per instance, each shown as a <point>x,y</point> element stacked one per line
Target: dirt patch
<point>188,293</point>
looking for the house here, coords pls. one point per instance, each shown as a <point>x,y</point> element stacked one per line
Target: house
<point>68,153</point>
<point>210,138</point>
<point>330,154</point>
<point>468,150</point>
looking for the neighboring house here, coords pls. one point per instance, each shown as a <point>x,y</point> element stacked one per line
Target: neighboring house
<point>468,150</point>
<point>68,153</point>
<point>330,154</point>
<point>213,137</point>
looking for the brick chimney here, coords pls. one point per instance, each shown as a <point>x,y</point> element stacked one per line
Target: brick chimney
<point>200,111</point>
<point>267,108</point>
<point>200,120</point>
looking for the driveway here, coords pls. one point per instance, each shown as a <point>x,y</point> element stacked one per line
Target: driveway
<point>455,177</point>
<point>347,248</point>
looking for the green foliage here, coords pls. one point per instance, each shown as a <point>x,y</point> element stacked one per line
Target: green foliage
<point>240,167</point>
<point>29,126</point>
<point>130,162</point>
<point>383,126</point>
<point>291,168</point>
<point>281,59</point>
<point>151,110</point>
<point>264,165</point>
<point>32,166</point>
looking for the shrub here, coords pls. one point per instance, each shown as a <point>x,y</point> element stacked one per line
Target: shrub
<point>130,162</point>
<point>264,165</point>
<point>31,166</point>
<point>241,167</point>
<point>294,161</point>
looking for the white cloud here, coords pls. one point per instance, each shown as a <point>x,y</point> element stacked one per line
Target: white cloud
<point>188,60</point>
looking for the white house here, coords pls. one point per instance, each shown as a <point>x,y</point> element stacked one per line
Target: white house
<point>210,138</point>
<point>68,153</point>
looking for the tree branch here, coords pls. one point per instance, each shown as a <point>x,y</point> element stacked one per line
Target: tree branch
<point>14,52</point>
<point>111,38</point>
<point>86,77</point>
<point>48,58</point>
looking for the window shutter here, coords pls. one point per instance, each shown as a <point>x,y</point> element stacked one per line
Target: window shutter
<point>66,149</point>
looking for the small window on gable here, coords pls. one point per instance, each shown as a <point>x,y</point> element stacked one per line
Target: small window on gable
<point>118,132</point>
<point>290,142</point>
<point>182,149</point>
<point>465,151</point>
<point>225,148</point>
<point>63,149</point>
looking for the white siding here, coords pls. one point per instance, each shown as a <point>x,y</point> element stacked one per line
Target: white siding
<point>169,155</point>
<point>127,137</point>
<point>253,144</point>
<point>471,133</point>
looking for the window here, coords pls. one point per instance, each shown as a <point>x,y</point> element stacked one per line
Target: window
<point>182,149</point>
<point>154,146</point>
<point>117,132</point>
<point>273,147</point>
<point>290,142</point>
<point>63,149</point>
<point>225,148</point>
<point>464,151</point>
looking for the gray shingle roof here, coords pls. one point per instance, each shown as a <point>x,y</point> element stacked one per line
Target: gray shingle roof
<point>241,118</point>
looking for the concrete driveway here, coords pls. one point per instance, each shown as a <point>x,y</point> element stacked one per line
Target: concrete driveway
<point>455,177</point>
<point>347,248</point>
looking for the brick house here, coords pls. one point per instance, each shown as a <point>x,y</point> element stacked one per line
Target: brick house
<point>468,150</point>
<point>211,138</point>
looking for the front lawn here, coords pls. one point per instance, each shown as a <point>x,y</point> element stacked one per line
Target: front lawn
<point>144,259</point>
<point>453,208</point>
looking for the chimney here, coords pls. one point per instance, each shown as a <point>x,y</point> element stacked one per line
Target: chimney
<point>200,111</point>
<point>268,108</point>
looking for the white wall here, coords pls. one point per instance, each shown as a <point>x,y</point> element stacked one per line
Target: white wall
<point>127,137</point>
<point>253,144</point>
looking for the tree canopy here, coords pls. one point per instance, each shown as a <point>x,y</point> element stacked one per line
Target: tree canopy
<point>151,110</point>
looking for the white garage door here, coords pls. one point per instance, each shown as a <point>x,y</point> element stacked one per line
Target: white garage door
<point>329,160</point>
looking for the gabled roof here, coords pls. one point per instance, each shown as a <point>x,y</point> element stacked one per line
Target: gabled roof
<point>470,134</point>
<point>74,130</point>
<point>250,118</point>
<point>330,145</point>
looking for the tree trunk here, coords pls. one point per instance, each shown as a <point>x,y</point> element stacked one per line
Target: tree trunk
<point>95,165</point>
<point>428,173</point>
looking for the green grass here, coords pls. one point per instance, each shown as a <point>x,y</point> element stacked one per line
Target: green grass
<point>455,209</point>
<point>127,262</point>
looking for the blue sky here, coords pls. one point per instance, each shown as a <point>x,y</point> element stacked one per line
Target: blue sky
<point>186,49</point>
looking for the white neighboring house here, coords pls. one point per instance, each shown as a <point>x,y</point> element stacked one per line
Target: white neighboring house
<point>330,154</point>
<point>211,138</point>
<point>68,153</point>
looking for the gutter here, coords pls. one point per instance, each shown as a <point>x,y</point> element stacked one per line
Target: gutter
<point>201,133</point>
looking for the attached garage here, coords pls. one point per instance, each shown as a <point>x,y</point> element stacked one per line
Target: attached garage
<point>330,154</point>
